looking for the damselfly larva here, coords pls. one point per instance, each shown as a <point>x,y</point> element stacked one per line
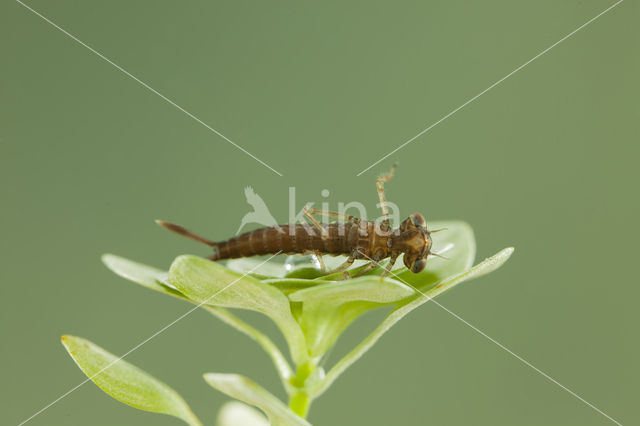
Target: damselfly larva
<point>354,237</point>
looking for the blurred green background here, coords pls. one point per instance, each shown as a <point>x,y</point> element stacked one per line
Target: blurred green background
<point>547,161</point>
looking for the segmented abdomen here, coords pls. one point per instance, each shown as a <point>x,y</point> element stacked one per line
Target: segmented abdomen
<point>291,239</point>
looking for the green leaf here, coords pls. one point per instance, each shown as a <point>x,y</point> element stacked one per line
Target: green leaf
<point>329,308</point>
<point>290,285</point>
<point>303,266</point>
<point>247,391</point>
<point>256,266</point>
<point>456,242</point>
<point>306,273</point>
<point>126,382</point>
<point>368,288</point>
<point>147,276</point>
<point>210,283</point>
<point>235,413</point>
<point>157,280</point>
<point>485,267</point>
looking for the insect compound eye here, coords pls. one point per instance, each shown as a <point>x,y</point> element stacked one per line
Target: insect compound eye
<point>418,220</point>
<point>418,265</point>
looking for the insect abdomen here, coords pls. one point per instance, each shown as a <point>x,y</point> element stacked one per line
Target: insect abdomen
<point>290,239</point>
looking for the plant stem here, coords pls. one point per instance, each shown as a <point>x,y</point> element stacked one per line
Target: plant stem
<point>299,403</point>
<point>299,399</point>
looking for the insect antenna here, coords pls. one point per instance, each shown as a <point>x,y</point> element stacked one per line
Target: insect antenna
<point>438,255</point>
<point>437,230</point>
<point>185,232</point>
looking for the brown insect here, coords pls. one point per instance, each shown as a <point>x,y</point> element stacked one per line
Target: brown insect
<point>354,237</point>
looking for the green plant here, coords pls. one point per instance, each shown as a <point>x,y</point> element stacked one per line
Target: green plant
<point>310,309</point>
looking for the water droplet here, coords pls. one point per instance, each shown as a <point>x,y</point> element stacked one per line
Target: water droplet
<point>297,261</point>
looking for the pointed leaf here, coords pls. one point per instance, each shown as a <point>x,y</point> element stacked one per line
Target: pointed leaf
<point>485,267</point>
<point>456,242</point>
<point>256,266</point>
<point>290,285</point>
<point>368,288</point>
<point>156,279</point>
<point>235,413</point>
<point>125,382</point>
<point>328,309</point>
<point>210,283</point>
<point>147,276</point>
<point>247,391</point>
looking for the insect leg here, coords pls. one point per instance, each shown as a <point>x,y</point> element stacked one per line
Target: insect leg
<point>318,255</point>
<point>345,217</point>
<point>380,187</point>
<point>387,269</point>
<point>369,267</point>
<point>309,214</point>
<point>342,267</point>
